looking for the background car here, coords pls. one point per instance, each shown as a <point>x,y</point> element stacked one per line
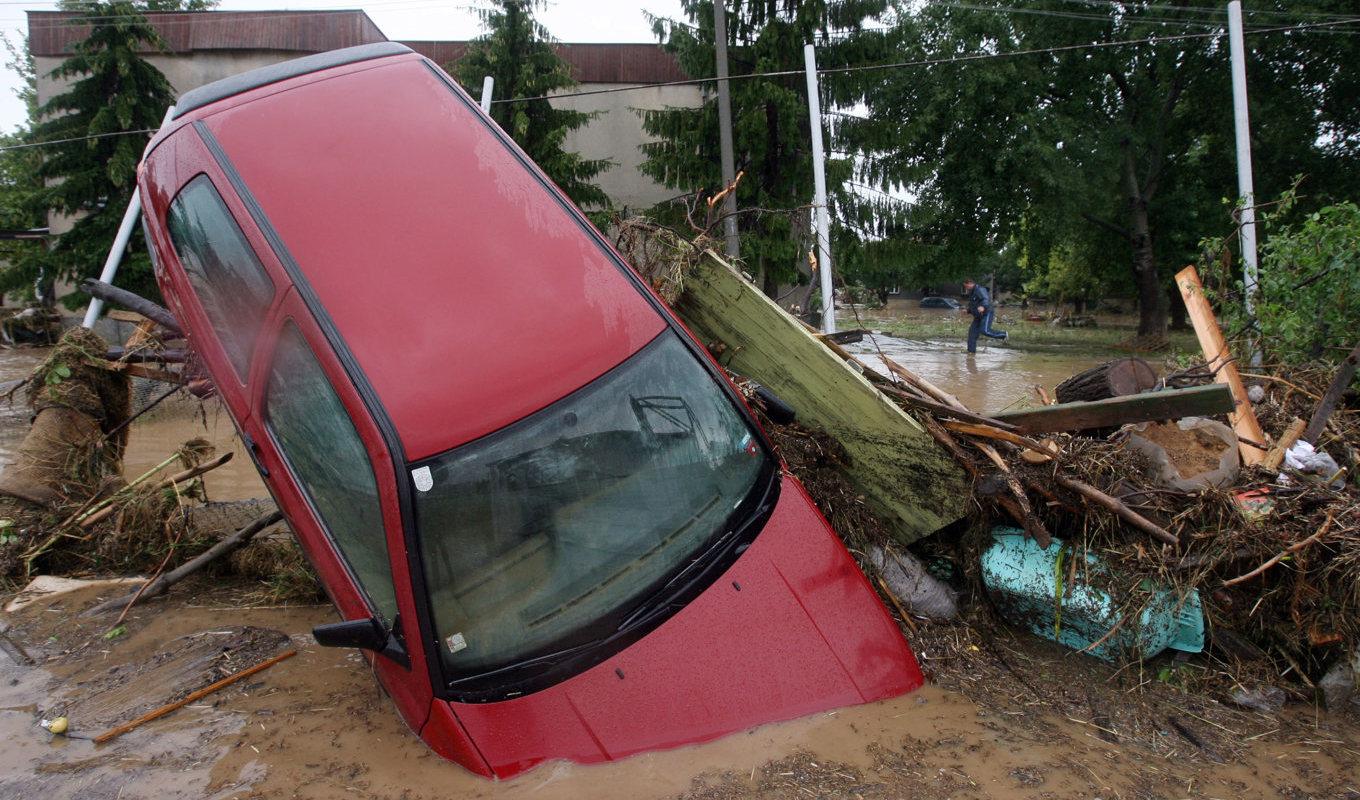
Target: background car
<point>939,302</point>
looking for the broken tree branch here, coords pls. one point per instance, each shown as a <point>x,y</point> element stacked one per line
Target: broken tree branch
<point>1342,379</point>
<point>225,547</point>
<point>1119,509</point>
<point>112,294</point>
<point>1278,557</point>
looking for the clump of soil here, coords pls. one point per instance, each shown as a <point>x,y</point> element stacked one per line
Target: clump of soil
<point>1193,452</point>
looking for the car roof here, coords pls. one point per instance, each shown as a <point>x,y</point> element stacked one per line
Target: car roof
<point>469,292</point>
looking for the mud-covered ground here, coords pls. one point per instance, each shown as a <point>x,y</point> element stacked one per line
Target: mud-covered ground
<point>1004,716</point>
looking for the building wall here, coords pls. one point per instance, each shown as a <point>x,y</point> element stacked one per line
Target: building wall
<point>617,134</point>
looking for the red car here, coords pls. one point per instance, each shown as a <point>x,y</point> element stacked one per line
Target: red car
<point>534,498</point>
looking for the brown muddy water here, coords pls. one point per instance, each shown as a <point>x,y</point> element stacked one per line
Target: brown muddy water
<point>317,726</point>
<point>996,378</point>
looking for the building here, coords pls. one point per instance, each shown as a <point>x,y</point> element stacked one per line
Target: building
<point>204,46</point>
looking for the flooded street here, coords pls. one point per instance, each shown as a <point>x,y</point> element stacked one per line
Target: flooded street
<point>996,378</point>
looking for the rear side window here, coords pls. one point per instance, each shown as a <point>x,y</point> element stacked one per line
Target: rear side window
<point>226,275</point>
<point>318,440</point>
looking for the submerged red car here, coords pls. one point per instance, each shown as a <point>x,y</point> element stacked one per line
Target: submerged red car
<point>535,500</point>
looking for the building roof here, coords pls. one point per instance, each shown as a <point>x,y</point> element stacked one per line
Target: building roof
<point>55,34</point>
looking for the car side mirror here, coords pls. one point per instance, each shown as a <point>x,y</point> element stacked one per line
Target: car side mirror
<point>365,634</point>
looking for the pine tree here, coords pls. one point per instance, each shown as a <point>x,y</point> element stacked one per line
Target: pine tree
<point>20,186</point>
<point>113,96</point>
<point>771,137</point>
<point>518,53</point>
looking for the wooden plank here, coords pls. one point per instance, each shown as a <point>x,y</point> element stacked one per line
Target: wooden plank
<point>904,475</point>
<point>1220,360</point>
<point>1196,401</point>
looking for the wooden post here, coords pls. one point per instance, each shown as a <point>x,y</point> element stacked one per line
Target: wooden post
<point>1220,360</point>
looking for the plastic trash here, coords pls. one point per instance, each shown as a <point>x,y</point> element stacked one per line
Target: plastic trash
<point>1266,699</point>
<point>1024,581</point>
<point>919,591</point>
<point>1339,684</point>
<point>1304,458</point>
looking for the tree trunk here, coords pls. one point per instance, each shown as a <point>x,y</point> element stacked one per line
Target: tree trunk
<point>1118,378</point>
<point>1151,299</point>
<point>1177,308</point>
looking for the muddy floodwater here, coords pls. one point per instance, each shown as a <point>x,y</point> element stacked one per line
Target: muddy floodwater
<point>317,726</point>
<point>996,378</point>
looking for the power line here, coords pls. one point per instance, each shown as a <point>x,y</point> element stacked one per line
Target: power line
<point>839,70</point>
<point>48,142</point>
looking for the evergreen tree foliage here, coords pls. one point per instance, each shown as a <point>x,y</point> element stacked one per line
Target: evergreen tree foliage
<point>771,136</point>
<point>1122,152</point>
<point>20,207</point>
<point>517,51</point>
<point>112,91</point>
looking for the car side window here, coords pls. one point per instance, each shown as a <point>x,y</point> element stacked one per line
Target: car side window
<point>227,276</point>
<point>319,442</point>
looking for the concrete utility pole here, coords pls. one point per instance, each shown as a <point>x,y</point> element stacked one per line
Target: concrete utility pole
<point>1245,189</point>
<point>488,84</point>
<point>819,186</point>
<point>120,241</point>
<point>729,168</point>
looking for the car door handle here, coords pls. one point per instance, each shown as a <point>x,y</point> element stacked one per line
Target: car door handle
<point>253,450</point>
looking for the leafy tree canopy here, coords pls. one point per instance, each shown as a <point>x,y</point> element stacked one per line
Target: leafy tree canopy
<point>771,137</point>
<point>518,53</point>
<point>1119,149</point>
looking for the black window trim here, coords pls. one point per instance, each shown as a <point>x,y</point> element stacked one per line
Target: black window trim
<point>439,683</point>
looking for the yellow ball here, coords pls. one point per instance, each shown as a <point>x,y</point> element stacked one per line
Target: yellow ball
<point>58,725</point>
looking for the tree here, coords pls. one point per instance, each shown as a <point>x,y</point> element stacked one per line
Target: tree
<point>1121,147</point>
<point>20,186</point>
<point>96,129</point>
<point>771,137</point>
<point>518,53</point>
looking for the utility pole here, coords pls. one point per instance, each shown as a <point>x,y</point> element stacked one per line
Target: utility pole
<point>488,84</point>
<point>1242,127</point>
<point>819,186</point>
<point>729,168</point>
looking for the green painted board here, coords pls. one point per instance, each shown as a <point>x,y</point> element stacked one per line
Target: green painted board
<point>1196,401</point>
<point>904,475</point>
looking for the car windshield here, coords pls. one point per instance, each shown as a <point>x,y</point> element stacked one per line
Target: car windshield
<point>551,533</point>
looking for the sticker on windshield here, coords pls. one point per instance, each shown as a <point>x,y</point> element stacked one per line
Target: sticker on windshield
<point>424,480</point>
<point>456,642</point>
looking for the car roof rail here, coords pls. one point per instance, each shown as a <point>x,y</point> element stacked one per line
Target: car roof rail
<point>263,76</point>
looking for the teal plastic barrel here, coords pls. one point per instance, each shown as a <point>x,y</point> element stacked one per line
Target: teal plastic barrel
<point>1024,579</point>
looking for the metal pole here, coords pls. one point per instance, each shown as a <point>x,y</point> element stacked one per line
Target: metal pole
<point>488,83</point>
<point>1242,126</point>
<point>120,243</point>
<point>819,185</point>
<point>729,167</point>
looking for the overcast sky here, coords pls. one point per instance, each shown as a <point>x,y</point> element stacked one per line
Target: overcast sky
<point>566,20</point>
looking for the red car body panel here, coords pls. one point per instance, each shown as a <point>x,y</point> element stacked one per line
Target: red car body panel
<point>447,291</point>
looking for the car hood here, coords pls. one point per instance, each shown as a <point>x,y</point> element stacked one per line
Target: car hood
<point>792,628</point>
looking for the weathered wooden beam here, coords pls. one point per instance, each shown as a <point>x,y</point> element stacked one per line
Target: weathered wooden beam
<point>1220,360</point>
<point>903,473</point>
<point>1196,401</point>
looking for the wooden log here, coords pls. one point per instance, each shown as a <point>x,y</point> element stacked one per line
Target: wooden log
<point>112,294</point>
<point>1116,378</point>
<point>1196,401</point>
<point>903,473</point>
<point>1220,359</point>
<point>1340,381</point>
<point>1276,454</point>
<point>162,584</point>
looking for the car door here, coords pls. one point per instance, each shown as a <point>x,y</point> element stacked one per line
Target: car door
<point>330,470</point>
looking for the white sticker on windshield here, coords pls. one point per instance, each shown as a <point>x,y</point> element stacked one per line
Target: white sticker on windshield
<point>456,642</point>
<point>424,480</point>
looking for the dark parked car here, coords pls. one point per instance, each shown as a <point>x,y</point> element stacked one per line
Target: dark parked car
<point>542,511</point>
<point>939,302</point>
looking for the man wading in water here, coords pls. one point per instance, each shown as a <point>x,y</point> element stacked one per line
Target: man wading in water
<point>980,306</point>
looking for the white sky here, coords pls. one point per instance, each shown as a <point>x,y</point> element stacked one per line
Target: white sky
<point>566,20</point>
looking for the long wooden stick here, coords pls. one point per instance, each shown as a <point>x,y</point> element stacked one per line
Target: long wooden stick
<point>1344,375</point>
<point>1220,360</point>
<point>1293,548</point>
<point>941,408</point>
<point>1119,509</point>
<point>114,733</point>
<point>993,432</point>
<point>160,585</point>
